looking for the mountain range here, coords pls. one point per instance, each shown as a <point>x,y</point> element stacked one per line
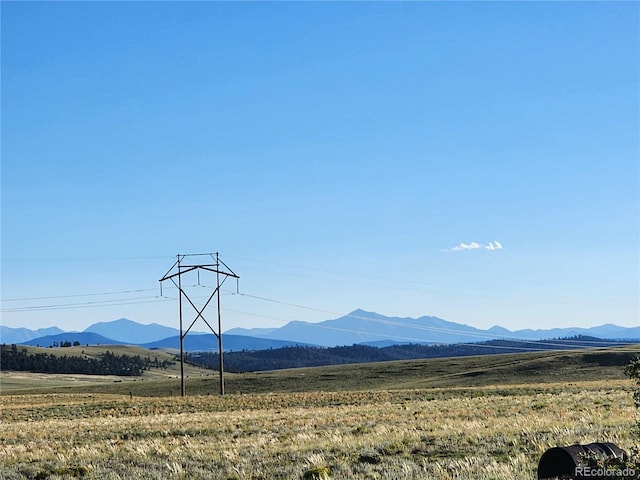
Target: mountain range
<point>357,327</point>
<point>362,327</point>
<point>20,335</point>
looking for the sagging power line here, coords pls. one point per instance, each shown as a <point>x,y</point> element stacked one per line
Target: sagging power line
<point>77,295</point>
<point>163,298</point>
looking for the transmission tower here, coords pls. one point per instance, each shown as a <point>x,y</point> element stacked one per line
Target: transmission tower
<point>211,263</point>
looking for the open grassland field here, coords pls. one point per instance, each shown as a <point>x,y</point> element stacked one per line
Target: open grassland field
<point>507,369</point>
<point>490,418</point>
<point>165,379</point>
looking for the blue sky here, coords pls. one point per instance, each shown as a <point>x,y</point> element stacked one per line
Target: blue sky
<point>337,155</point>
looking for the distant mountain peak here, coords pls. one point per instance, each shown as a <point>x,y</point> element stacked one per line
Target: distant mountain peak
<point>11,335</point>
<point>129,331</point>
<point>499,329</point>
<point>121,322</point>
<point>360,311</point>
<point>83,338</point>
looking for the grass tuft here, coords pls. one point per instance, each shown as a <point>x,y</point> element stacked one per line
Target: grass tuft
<point>316,473</point>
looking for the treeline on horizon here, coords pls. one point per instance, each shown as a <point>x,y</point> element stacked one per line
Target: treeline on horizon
<point>307,356</point>
<point>15,359</point>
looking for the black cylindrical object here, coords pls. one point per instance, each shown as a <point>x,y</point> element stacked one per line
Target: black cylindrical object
<point>572,462</point>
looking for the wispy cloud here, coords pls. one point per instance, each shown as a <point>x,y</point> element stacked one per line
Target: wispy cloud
<point>465,246</point>
<point>495,245</point>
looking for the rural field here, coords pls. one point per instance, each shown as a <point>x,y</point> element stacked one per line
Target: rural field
<point>469,418</point>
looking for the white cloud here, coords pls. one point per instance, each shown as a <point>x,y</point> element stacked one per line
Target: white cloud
<point>465,246</point>
<point>495,245</point>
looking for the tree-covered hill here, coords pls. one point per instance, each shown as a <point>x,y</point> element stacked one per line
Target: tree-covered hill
<point>305,356</point>
<point>19,359</point>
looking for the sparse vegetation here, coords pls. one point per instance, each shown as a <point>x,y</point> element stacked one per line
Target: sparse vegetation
<point>629,468</point>
<point>368,431</point>
<point>441,434</point>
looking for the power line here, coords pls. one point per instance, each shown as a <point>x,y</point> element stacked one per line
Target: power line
<point>305,307</point>
<point>81,259</point>
<point>98,303</point>
<point>22,299</point>
<point>486,336</point>
<point>356,275</point>
<point>157,299</point>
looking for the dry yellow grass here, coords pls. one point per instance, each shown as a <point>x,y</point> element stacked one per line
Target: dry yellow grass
<point>472,433</point>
